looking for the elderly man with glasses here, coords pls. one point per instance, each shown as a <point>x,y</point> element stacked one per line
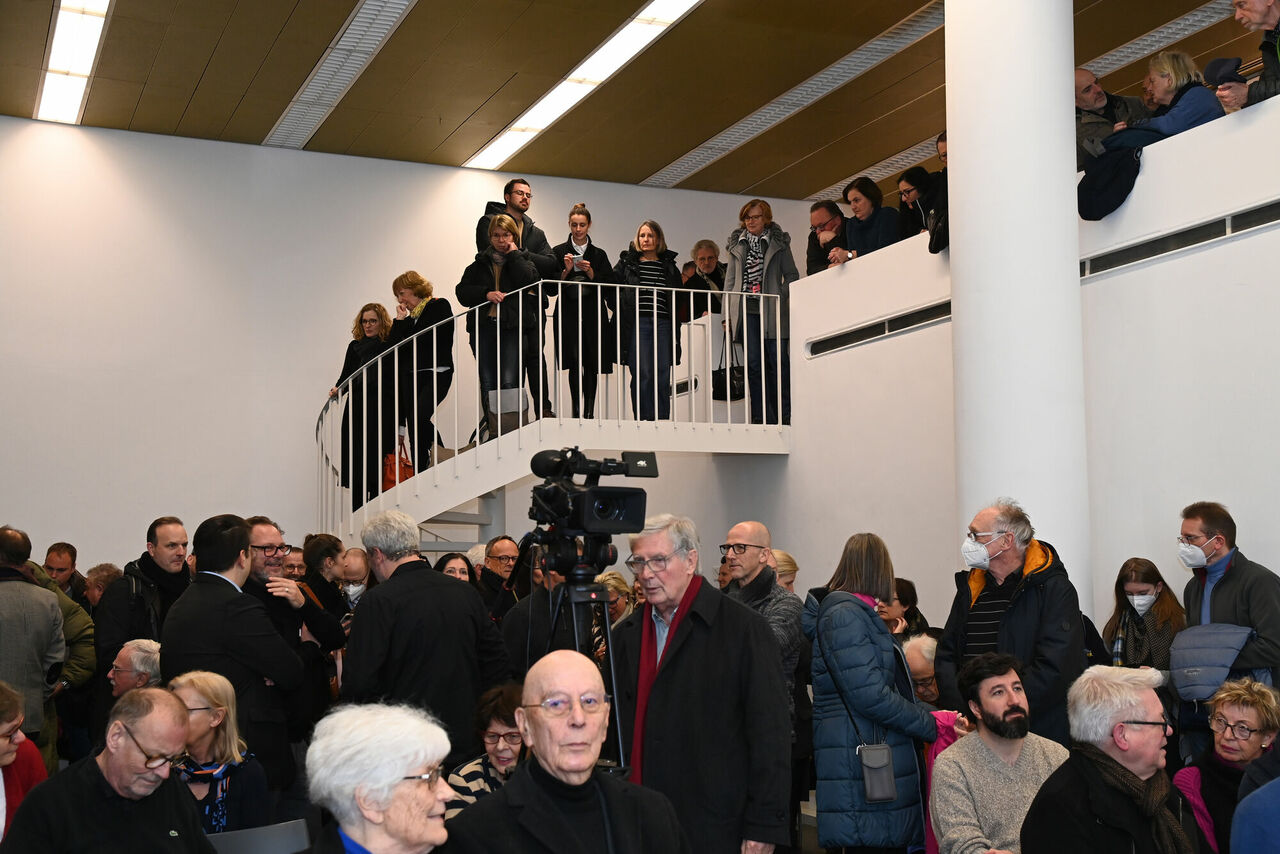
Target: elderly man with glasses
<point>559,797</point>
<point>123,799</point>
<point>692,654</point>
<point>1015,599</point>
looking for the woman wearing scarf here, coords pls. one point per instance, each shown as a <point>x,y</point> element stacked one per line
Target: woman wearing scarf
<point>649,339</point>
<point>760,262</point>
<point>500,269</point>
<point>230,787</point>
<point>426,376</point>
<point>585,312</point>
<point>1146,617</point>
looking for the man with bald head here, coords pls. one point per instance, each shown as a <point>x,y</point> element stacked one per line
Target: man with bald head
<point>1097,113</point>
<point>124,799</point>
<point>559,798</point>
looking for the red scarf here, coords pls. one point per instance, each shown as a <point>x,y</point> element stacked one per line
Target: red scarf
<point>649,664</point>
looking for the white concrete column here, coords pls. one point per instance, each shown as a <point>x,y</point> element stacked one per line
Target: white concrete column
<point>1020,425</point>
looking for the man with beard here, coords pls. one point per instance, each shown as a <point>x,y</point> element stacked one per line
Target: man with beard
<point>1001,759</point>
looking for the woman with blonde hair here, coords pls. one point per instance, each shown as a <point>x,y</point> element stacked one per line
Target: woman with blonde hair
<point>621,599</point>
<point>371,400</point>
<point>650,343</point>
<point>230,786</point>
<point>1182,100</point>
<point>585,312</point>
<point>426,366</point>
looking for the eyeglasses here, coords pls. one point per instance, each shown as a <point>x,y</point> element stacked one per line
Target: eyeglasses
<point>522,194</point>
<point>199,709</point>
<point>927,682</point>
<point>154,762</point>
<point>657,564</point>
<point>12,732</point>
<point>752,217</point>
<point>273,550</point>
<point>738,548</point>
<point>1160,723</point>
<point>115,669</point>
<point>1242,731</point>
<point>907,192</point>
<point>512,738</point>
<point>430,778</point>
<point>369,320</point>
<point>1189,540</point>
<point>559,705</point>
<point>973,535</point>
<point>508,559</point>
<point>823,226</point>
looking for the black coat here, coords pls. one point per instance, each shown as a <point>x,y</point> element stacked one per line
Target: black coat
<point>437,311</point>
<point>627,272</point>
<point>717,731</point>
<point>214,627</point>
<point>517,271</point>
<point>591,307</point>
<point>521,818</point>
<point>1075,811</point>
<point>1041,628</point>
<point>373,402</point>
<point>424,639</point>
<point>526,629</point>
<point>816,255</point>
<point>531,237</point>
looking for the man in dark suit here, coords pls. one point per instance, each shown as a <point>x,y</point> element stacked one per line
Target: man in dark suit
<point>420,637</point>
<point>216,626</point>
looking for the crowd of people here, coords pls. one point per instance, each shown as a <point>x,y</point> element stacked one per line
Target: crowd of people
<point>400,704</point>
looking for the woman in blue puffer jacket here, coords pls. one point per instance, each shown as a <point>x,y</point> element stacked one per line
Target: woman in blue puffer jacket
<point>861,685</point>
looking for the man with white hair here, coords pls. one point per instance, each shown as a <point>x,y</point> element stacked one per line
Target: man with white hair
<point>1262,16</point>
<point>420,637</point>
<point>692,654</point>
<point>559,797</point>
<point>137,666</point>
<point>1112,793</point>
<point>380,770</point>
<point>920,651</point>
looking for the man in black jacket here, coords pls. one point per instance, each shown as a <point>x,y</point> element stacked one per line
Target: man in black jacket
<point>136,605</point>
<point>216,626</point>
<point>1263,16</point>
<point>517,197</point>
<point>1015,599</point>
<point>826,232</point>
<point>421,638</point>
<point>693,654</point>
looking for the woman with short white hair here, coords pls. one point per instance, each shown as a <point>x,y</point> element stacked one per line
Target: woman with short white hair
<point>378,769</point>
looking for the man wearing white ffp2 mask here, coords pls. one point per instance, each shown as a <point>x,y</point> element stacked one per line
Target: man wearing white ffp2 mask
<point>1226,587</point>
<point>1015,598</point>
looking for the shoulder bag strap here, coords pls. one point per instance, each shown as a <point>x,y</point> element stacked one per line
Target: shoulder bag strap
<point>822,649</point>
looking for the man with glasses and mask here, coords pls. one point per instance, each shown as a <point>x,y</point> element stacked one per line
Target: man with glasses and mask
<point>1016,599</point>
<point>122,800</point>
<point>217,626</point>
<point>826,232</point>
<point>692,654</point>
<point>1227,587</point>
<point>559,798</point>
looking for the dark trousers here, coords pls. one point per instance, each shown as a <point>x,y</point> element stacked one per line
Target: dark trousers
<point>535,368</point>
<point>762,375</point>
<point>432,388</point>
<point>498,355</point>
<point>650,362</point>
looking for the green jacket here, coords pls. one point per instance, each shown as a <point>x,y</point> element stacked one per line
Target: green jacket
<point>77,628</point>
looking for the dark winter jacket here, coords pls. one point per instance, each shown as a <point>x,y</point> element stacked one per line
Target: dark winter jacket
<point>627,272</point>
<point>587,310</point>
<point>1192,106</point>
<point>858,669</point>
<point>1268,83</point>
<point>778,274</point>
<point>531,238</point>
<point>1041,628</point>
<point>1247,595</point>
<point>875,232</point>
<point>816,255</point>
<point>1093,127</point>
<point>435,349</point>
<point>781,610</point>
<point>728,780</point>
<point>1076,811</point>
<point>517,272</point>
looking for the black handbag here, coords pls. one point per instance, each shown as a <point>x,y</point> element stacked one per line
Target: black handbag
<point>729,383</point>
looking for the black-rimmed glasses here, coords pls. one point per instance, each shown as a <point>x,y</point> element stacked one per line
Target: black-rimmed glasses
<point>153,762</point>
<point>1165,722</point>
<point>1240,730</point>
<point>512,738</point>
<point>274,550</point>
<point>738,548</point>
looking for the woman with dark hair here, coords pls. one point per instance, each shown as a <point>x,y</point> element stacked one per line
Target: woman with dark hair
<point>584,321</point>
<point>322,554</point>
<point>650,345</point>
<point>496,724</point>
<point>862,696</point>
<point>501,269</point>
<point>760,262</point>
<point>426,367</point>
<point>904,607</point>
<point>376,417</point>
<point>1146,617</point>
<point>871,227</point>
<point>913,188</point>
<point>457,565</point>
<point>1244,716</point>
<point>228,784</point>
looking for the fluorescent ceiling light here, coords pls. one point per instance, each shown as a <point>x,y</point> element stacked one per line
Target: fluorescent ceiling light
<point>602,63</point>
<point>77,33</point>
<point>61,96</point>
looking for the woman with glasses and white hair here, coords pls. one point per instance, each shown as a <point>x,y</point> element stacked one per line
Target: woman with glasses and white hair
<point>230,786</point>
<point>378,769</point>
<point>1244,716</point>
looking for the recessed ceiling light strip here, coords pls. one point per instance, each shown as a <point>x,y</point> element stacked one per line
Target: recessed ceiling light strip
<point>1143,46</point>
<point>78,26</point>
<point>907,32</point>
<point>627,42</point>
<point>368,27</point>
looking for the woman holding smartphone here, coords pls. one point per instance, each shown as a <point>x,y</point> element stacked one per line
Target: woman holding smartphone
<point>585,312</point>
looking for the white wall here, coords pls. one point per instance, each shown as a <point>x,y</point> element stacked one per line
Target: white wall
<point>174,311</point>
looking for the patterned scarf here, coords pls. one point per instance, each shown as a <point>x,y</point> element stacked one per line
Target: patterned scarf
<point>1139,640</point>
<point>216,775</point>
<point>1151,796</point>
<point>754,273</point>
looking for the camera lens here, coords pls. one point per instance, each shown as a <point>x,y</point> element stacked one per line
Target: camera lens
<point>605,508</point>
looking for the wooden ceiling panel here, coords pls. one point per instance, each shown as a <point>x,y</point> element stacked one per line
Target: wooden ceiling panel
<point>154,11</point>
<point>254,118</point>
<point>901,79</point>
<point>129,48</point>
<point>111,103</point>
<point>740,62</point>
<point>23,38</point>
<point>160,108</point>
<point>1108,24</point>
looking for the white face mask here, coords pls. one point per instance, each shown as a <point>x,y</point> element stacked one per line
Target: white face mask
<point>975,553</point>
<point>1142,603</point>
<point>354,591</point>
<point>1192,556</point>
